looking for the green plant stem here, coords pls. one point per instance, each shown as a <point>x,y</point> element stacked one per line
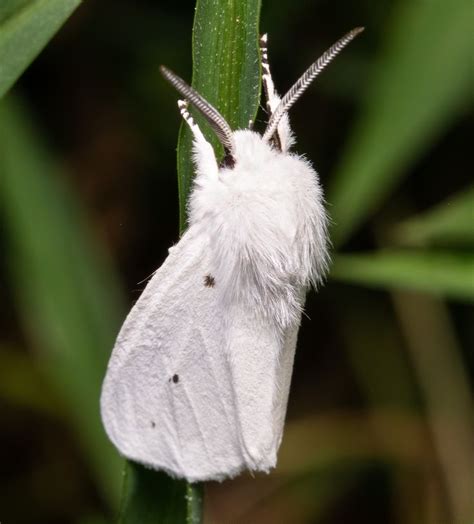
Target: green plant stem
<point>194,503</point>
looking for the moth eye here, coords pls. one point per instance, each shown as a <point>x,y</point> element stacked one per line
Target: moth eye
<point>209,281</point>
<point>228,161</point>
<point>276,141</point>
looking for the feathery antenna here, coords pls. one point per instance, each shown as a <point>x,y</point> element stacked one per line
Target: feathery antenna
<point>210,113</point>
<point>305,80</point>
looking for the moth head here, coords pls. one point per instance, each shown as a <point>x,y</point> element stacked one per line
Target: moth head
<point>218,122</point>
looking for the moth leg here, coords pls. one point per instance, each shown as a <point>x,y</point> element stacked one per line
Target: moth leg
<point>183,109</point>
<point>283,138</point>
<point>203,153</point>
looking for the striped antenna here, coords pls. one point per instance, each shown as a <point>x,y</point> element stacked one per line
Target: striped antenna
<point>210,113</point>
<point>305,80</point>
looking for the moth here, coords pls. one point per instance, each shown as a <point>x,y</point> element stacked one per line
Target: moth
<point>198,381</point>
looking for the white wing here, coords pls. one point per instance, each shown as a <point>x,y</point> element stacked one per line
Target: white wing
<point>196,391</point>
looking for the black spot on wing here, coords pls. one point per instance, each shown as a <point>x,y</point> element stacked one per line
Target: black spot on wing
<point>209,281</point>
<point>175,379</point>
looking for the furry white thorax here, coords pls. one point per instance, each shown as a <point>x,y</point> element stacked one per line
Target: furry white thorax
<point>266,226</point>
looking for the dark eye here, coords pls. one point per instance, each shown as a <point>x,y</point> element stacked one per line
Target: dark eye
<point>228,161</point>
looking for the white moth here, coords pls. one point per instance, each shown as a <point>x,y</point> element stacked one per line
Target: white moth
<point>198,381</point>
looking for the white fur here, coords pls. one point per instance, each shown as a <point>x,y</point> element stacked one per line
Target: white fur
<point>266,221</point>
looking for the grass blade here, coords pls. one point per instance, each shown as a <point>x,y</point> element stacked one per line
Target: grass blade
<point>445,274</point>
<point>194,503</point>
<point>26,26</point>
<point>448,223</point>
<point>152,497</point>
<point>419,84</point>
<point>66,291</point>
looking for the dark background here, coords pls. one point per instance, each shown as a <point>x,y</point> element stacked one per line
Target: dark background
<point>362,440</point>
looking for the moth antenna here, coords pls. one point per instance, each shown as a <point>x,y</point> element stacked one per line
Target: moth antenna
<point>305,80</point>
<point>210,113</point>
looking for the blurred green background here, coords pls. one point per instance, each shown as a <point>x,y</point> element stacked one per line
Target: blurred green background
<point>380,418</point>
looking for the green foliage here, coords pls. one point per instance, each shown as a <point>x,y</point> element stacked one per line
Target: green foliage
<point>449,223</point>
<point>26,26</point>
<point>66,291</point>
<point>420,82</point>
<point>438,273</point>
<point>152,497</point>
<point>414,94</point>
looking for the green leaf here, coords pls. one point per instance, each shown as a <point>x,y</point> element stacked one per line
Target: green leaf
<point>451,222</point>
<point>26,26</point>
<point>420,83</point>
<point>152,497</point>
<point>440,273</point>
<point>226,73</point>
<point>66,291</point>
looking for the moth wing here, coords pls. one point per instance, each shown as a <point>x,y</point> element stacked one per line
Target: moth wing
<point>261,367</point>
<point>167,399</point>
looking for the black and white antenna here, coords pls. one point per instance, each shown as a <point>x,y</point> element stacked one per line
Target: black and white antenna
<point>210,113</point>
<point>305,80</point>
